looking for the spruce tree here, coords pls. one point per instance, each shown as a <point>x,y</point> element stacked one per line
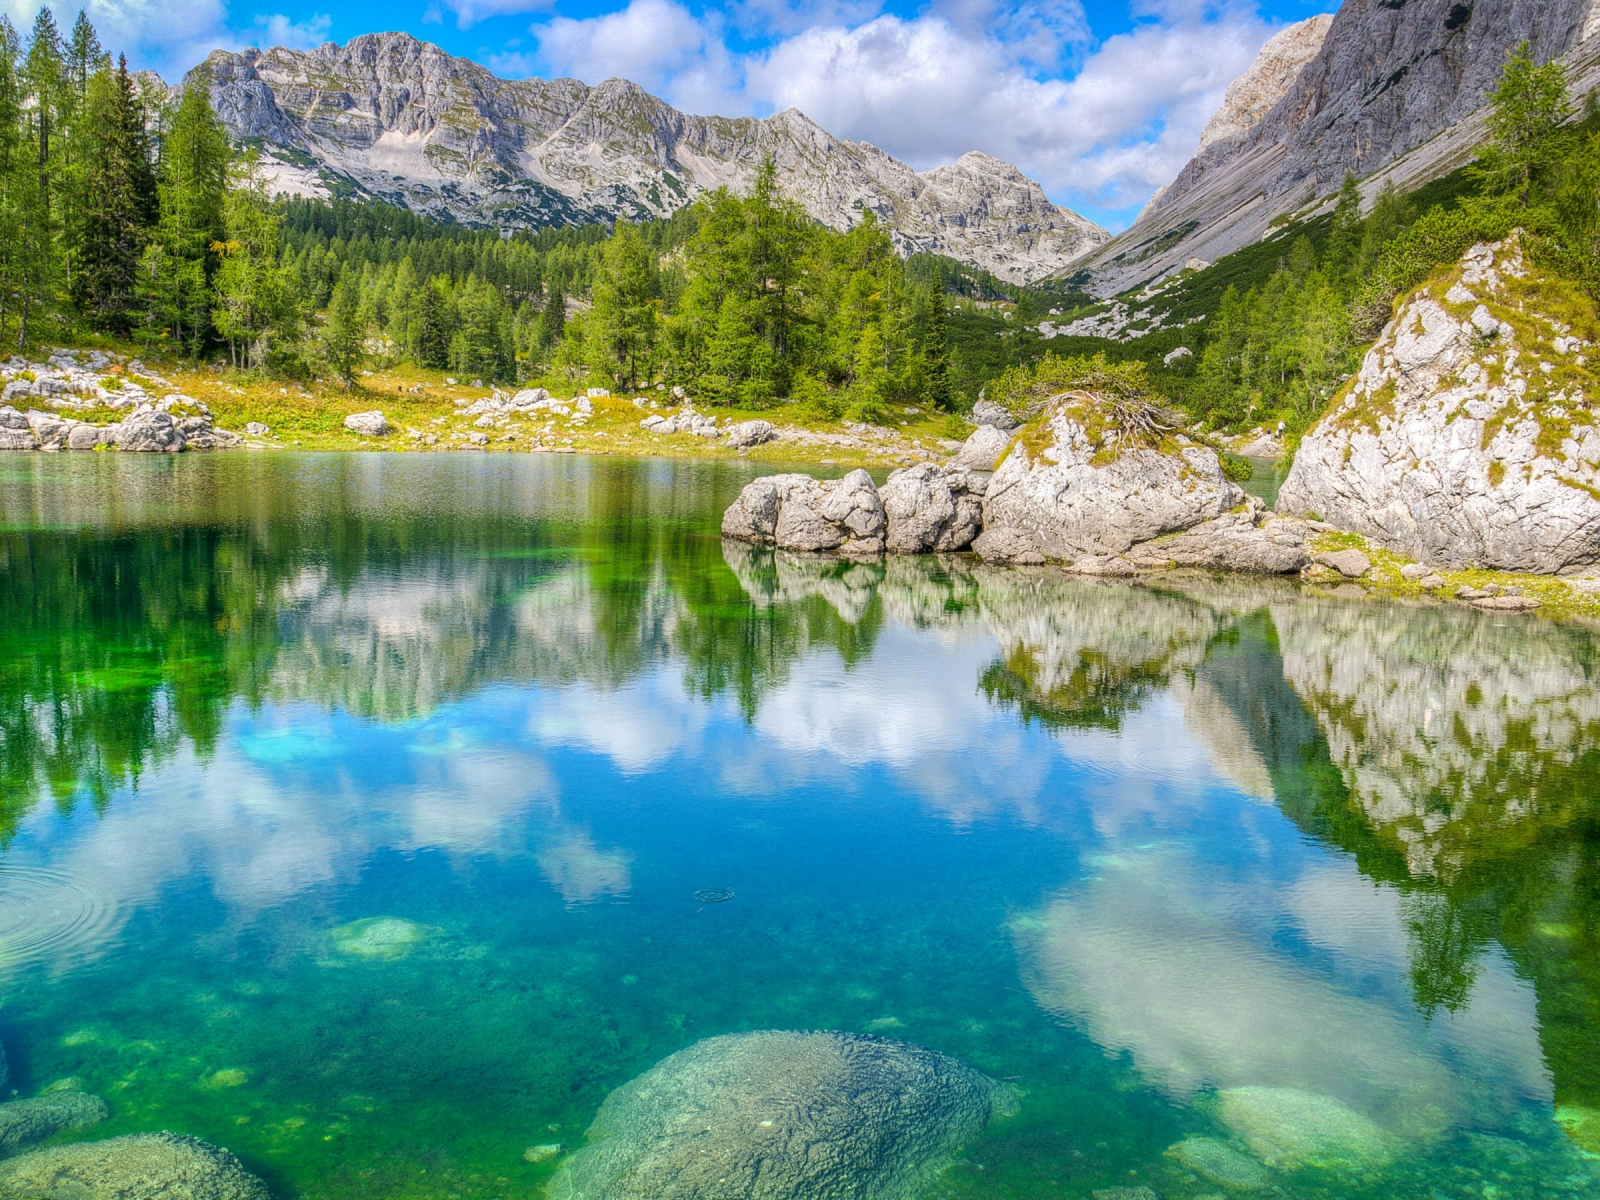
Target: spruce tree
<point>113,214</point>
<point>936,350</point>
<point>192,184</point>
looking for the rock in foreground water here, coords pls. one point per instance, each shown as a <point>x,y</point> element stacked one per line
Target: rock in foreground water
<point>927,508</point>
<point>783,1116</point>
<point>145,1166</point>
<point>25,1122</point>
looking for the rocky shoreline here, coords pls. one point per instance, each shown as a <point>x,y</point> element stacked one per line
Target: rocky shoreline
<point>1465,443</point>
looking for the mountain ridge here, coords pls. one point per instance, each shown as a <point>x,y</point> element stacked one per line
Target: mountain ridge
<point>391,117</point>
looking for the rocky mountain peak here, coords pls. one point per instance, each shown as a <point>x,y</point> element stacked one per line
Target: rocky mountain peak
<point>1379,82</point>
<point>400,120</point>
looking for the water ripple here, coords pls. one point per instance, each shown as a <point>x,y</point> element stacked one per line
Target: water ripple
<point>49,916</point>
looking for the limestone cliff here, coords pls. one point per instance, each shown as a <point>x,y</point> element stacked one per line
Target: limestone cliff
<point>398,119</point>
<point>1391,88</point>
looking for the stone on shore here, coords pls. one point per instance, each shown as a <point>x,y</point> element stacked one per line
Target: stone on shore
<point>15,432</point>
<point>25,1122</point>
<point>775,1115</point>
<point>1007,546</point>
<point>797,512</point>
<point>1352,564</point>
<point>987,412</point>
<point>750,433</point>
<point>149,431</point>
<point>368,424</point>
<point>1466,439</point>
<point>1085,480</point>
<point>928,510</point>
<point>144,1166</point>
<point>984,449</point>
<point>1246,540</point>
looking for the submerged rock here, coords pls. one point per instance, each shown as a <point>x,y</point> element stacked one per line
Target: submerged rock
<point>25,1122</point>
<point>1285,1127</point>
<point>379,937</point>
<point>926,508</point>
<point>1086,477</point>
<point>1220,1163</point>
<point>145,1166</point>
<point>5,1069</point>
<point>1468,438</point>
<point>797,512</point>
<point>783,1116</point>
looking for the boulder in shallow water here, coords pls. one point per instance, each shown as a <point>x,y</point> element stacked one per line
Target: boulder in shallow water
<point>1243,540</point>
<point>379,937</point>
<point>145,1166</point>
<point>1286,1127</point>
<point>25,1122</point>
<point>1006,546</point>
<point>1220,1163</point>
<point>1095,476</point>
<point>927,509</point>
<point>783,1116</point>
<point>797,512</point>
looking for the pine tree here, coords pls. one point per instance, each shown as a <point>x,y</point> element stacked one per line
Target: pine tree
<point>343,336</point>
<point>113,214</point>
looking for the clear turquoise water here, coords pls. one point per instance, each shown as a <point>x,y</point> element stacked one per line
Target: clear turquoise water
<point>1309,877</point>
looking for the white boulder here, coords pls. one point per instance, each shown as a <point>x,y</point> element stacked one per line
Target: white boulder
<point>368,424</point>
<point>797,512</point>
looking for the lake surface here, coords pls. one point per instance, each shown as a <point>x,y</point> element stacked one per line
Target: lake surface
<point>352,811</point>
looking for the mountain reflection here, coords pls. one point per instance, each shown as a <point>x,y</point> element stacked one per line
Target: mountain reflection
<point>1452,756</point>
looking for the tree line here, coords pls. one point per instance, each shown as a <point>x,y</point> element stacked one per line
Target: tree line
<point>1283,348</point>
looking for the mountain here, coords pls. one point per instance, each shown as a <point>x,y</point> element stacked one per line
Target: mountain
<point>397,119</point>
<point>1387,89</point>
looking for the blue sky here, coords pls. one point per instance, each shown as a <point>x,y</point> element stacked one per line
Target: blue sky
<point>1102,101</point>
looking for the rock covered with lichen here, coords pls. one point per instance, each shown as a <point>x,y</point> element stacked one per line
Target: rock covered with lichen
<point>1470,436</point>
<point>1097,474</point>
<point>778,1115</point>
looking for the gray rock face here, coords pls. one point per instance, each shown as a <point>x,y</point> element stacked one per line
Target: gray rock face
<point>1074,497</point>
<point>15,432</point>
<point>24,1122</point>
<point>796,512</point>
<point>750,433</point>
<point>367,424</point>
<point>927,509</point>
<point>1458,449</point>
<point>149,431</point>
<point>405,122</point>
<point>84,436</point>
<point>1384,80</point>
<point>146,1166</point>
<point>200,434</point>
<point>783,1116</point>
<point>983,450</point>
<point>1007,545</point>
<point>987,412</point>
<point>1235,541</point>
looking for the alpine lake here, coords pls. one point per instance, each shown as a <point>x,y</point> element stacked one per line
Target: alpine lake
<point>375,816</point>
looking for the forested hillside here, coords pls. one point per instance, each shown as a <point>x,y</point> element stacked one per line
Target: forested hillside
<point>126,215</point>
